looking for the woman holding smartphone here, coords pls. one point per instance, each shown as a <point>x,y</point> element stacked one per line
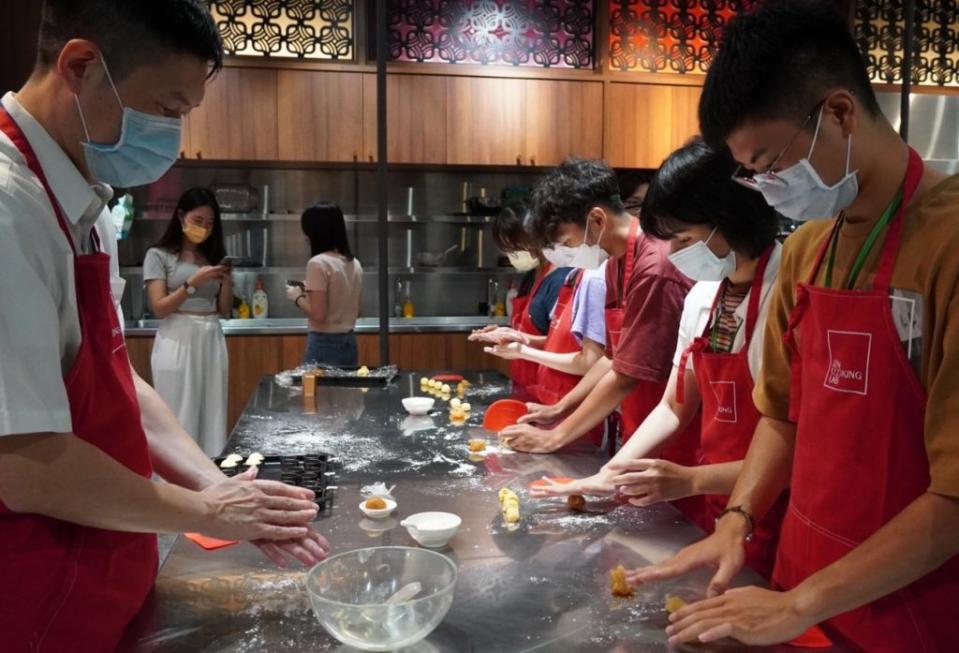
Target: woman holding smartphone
<point>189,293</point>
<point>330,296</point>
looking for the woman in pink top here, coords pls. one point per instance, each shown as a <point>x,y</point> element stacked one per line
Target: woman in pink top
<point>330,296</point>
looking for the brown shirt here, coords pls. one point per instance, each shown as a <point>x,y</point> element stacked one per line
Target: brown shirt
<point>925,276</point>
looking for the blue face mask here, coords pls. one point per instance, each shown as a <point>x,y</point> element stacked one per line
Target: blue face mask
<point>148,147</point>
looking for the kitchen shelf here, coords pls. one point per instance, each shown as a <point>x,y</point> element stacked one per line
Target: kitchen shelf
<point>298,270</point>
<point>257,218</point>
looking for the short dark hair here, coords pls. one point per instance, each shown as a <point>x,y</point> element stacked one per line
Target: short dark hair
<point>630,181</point>
<point>130,32</point>
<point>568,193</point>
<point>510,231</point>
<point>212,248</point>
<point>777,62</point>
<point>325,226</point>
<point>693,187</point>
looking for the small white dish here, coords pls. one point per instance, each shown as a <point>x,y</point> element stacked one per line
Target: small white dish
<point>432,529</point>
<point>418,406</point>
<point>381,513</point>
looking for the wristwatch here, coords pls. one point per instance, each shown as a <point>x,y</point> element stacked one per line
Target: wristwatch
<point>190,290</point>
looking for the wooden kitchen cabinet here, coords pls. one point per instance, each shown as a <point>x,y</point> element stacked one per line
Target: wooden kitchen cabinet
<point>321,115</point>
<point>646,122</point>
<point>416,118</point>
<point>563,119</point>
<point>486,121</point>
<point>237,120</point>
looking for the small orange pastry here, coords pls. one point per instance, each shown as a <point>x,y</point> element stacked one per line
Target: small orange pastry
<point>375,503</point>
<point>618,584</point>
<point>477,445</point>
<point>674,603</point>
<point>576,502</point>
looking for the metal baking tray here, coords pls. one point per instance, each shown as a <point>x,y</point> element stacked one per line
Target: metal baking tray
<point>316,472</point>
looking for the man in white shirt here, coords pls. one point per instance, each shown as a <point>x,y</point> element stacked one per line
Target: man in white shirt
<point>80,433</point>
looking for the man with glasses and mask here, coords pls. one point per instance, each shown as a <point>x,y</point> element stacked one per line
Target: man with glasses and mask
<point>80,434</point>
<point>858,389</point>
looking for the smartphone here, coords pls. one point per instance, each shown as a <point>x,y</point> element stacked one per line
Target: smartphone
<point>298,284</point>
<point>228,261</point>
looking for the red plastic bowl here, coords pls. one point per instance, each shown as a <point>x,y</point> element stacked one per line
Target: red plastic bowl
<point>503,413</point>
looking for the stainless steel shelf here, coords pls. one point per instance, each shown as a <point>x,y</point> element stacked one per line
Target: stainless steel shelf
<point>257,218</point>
<point>298,270</point>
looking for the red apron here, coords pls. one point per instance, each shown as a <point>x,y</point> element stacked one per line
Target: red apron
<point>729,419</point>
<point>71,587</point>
<point>647,395</point>
<point>522,372</point>
<point>552,385</point>
<point>860,457</point>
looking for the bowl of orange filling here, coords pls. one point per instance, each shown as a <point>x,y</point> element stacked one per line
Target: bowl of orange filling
<point>378,507</point>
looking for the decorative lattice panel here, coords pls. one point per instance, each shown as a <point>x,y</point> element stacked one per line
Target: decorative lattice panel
<point>880,28</point>
<point>673,36</point>
<point>537,33</point>
<point>306,29</point>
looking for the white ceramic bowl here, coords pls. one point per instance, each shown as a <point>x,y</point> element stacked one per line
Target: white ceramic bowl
<point>432,529</point>
<point>418,406</point>
<point>381,513</point>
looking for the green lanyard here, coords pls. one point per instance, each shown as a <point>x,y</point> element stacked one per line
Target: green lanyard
<point>866,246</point>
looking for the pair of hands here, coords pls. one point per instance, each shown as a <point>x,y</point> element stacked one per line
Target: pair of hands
<point>272,516</point>
<point>499,336</point>
<point>751,615</point>
<point>210,273</point>
<point>644,482</point>
<point>526,437</point>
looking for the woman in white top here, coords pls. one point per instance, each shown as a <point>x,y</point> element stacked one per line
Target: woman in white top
<point>189,293</point>
<point>723,236</point>
<point>330,296</point>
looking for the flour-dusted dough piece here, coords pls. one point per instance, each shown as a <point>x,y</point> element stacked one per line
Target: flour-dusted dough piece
<point>618,584</point>
<point>509,505</point>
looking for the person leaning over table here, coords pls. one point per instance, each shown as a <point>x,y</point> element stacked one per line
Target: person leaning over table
<point>723,236</point>
<point>539,291</point>
<point>579,214</point>
<point>858,385</point>
<point>188,292</point>
<point>80,433</point>
<point>330,297</point>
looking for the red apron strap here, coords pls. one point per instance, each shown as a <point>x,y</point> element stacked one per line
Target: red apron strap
<point>12,130</point>
<point>698,346</point>
<point>890,249</point>
<point>755,295</point>
<point>630,262</point>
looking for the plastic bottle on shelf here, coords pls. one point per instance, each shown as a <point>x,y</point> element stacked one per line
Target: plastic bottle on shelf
<point>398,302</point>
<point>510,296</point>
<point>500,309</point>
<point>492,297</point>
<point>261,303</point>
<point>409,310</point>
<point>243,312</point>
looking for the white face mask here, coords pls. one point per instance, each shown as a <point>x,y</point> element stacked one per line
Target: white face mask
<point>560,256</point>
<point>798,192</point>
<point>699,263</point>
<point>589,257</point>
<point>523,261</point>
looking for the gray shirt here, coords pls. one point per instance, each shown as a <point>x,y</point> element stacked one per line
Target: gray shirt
<point>161,264</point>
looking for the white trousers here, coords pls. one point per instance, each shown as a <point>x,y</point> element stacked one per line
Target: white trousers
<point>190,371</point>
